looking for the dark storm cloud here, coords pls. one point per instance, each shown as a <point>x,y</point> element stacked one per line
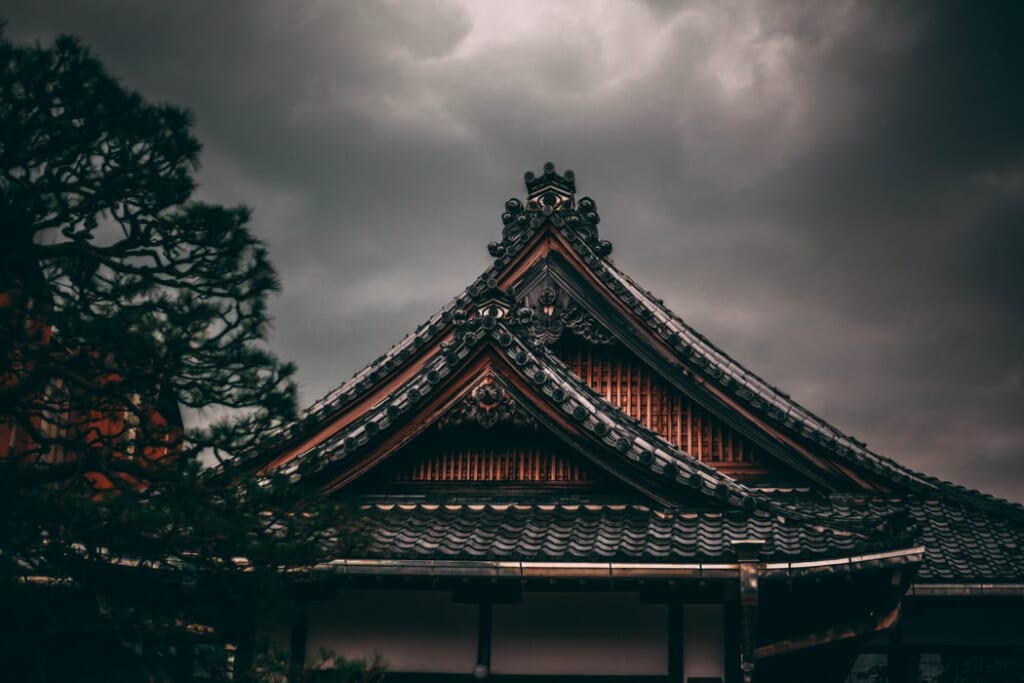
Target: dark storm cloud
<point>830,191</point>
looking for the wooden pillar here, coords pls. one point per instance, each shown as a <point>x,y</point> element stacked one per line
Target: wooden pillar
<point>244,652</point>
<point>747,553</point>
<point>731,637</point>
<point>675,640</point>
<point>902,664</point>
<point>184,659</point>
<point>297,646</point>
<point>482,669</point>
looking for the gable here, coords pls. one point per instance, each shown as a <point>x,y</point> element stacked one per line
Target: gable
<point>487,424</point>
<point>525,461</point>
<point>487,438</point>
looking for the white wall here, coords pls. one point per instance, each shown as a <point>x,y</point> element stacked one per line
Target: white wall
<point>545,633</point>
<point>703,641</point>
<point>579,633</point>
<point>413,630</point>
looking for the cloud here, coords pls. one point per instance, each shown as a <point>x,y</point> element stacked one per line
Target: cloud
<point>829,191</point>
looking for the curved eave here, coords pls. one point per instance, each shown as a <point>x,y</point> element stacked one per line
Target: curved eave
<point>695,350</point>
<point>524,570</point>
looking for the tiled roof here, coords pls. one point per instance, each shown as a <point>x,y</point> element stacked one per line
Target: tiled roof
<point>963,542</point>
<point>691,347</point>
<point>558,386</point>
<point>597,532</point>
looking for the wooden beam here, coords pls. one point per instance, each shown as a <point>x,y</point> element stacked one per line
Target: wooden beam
<point>903,663</point>
<point>748,552</point>
<point>850,629</point>
<point>731,639</point>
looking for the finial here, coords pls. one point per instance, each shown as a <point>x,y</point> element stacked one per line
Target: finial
<point>550,198</point>
<point>550,191</point>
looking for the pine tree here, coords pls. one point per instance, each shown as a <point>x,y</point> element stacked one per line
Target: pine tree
<point>124,305</point>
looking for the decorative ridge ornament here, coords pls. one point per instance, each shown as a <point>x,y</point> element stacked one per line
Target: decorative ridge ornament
<point>487,405</point>
<point>483,314</point>
<point>550,190</point>
<point>550,198</point>
<point>555,311</point>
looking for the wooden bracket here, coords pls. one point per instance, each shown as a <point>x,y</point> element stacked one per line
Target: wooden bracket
<point>850,629</point>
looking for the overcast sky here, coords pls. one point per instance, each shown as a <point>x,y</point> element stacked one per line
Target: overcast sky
<point>832,192</point>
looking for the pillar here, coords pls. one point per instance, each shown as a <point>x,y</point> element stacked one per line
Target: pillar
<point>748,553</point>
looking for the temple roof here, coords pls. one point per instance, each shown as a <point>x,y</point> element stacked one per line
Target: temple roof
<point>954,523</point>
<point>960,545</point>
<point>578,224</point>
<point>962,542</point>
<point>592,532</point>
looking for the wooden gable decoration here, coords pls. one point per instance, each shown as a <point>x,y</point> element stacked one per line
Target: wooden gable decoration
<point>487,439</point>
<point>644,395</point>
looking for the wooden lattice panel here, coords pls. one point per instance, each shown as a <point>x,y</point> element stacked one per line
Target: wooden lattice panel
<point>495,465</point>
<point>660,407</point>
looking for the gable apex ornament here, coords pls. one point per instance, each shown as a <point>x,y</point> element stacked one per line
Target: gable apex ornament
<point>550,191</point>
<point>554,311</point>
<point>487,405</point>
<point>550,198</point>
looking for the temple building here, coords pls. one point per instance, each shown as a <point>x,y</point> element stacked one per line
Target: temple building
<point>560,480</point>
